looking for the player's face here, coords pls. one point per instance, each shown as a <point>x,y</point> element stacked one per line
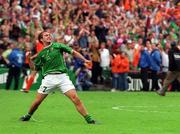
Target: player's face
<point>47,38</point>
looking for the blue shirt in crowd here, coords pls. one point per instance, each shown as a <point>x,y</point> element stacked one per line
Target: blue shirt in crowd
<point>156,60</point>
<point>145,61</point>
<point>16,57</point>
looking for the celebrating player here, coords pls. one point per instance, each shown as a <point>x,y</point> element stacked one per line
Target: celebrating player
<point>50,61</point>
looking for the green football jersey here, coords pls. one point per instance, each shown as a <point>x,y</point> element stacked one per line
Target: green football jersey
<point>50,59</point>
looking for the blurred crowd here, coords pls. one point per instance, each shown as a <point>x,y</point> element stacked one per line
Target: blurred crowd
<point>111,33</point>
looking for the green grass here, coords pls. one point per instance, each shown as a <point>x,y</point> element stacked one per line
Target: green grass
<point>117,113</point>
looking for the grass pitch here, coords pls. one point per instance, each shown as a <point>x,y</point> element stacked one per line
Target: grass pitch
<point>117,113</point>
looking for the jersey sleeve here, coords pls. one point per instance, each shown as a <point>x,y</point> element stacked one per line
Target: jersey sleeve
<point>63,47</point>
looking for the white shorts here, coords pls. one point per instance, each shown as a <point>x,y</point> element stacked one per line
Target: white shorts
<point>55,81</point>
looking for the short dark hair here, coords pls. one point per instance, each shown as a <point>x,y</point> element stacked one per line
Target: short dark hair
<point>40,36</point>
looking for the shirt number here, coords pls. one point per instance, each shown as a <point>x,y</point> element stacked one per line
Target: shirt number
<point>44,89</point>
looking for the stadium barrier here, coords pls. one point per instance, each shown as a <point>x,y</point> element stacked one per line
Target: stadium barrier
<point>134,81</point>
<point>3,78</point>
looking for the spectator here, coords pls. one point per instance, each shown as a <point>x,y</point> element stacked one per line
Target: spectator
<point>104,62</point>
<point>123,73</point>
<point>92,39</point>
<point>16,60</point>
<point>101,31</point>
<point>145,64</point>
<point>68,37</point>
<point>156,63</point>
<point>83,37</point>
<point>7,52</point>
<point>165,60</point>
<point>96,63</point>
<point>115,70</point>
<point>129,50</point>
<point>136,54</point>
<point>83,82</point>
<point>174,68</point>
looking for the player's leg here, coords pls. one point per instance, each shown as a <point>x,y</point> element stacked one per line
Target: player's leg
<point>72,95</point>
<point>39,98</point>
<point>171,76</point>
<point>46,87</point>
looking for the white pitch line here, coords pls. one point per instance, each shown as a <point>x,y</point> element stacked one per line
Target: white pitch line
<point>128,108</point>
<point>140,111</point>
<point>141,106</point>
<point>36,120</point>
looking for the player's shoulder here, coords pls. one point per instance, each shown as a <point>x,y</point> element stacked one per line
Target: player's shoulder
<point>58,44</point>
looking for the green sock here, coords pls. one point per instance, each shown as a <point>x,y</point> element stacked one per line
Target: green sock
<point>88,118</point>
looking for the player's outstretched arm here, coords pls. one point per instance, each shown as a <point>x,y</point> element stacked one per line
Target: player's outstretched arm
<point>78,55</point>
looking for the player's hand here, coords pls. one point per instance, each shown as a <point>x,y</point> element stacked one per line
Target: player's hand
<point>88,64</point>
<point>87,61</point>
